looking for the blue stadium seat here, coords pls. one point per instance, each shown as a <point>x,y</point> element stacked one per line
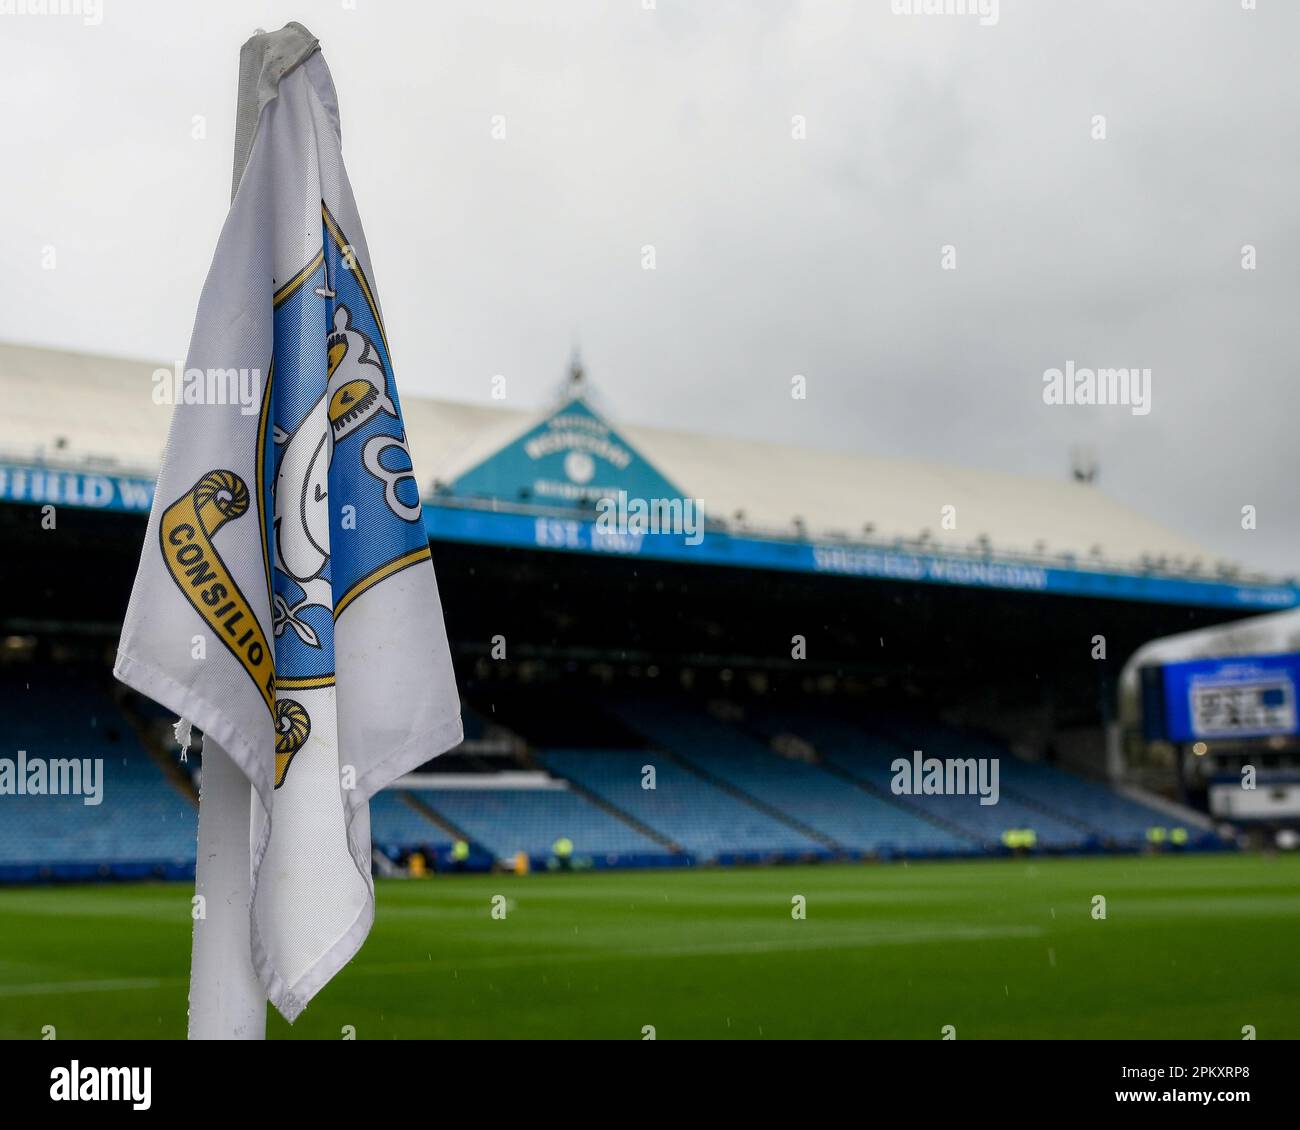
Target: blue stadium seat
<point>509,821</point>
<point>144,822</point>
<point>397,827</point>
<point>721,792</point>
<point>843,816</point>
<point>706,820</point>
<point>1064,810</point>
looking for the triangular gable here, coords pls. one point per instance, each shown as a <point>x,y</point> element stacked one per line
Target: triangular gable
<point>571,458</point>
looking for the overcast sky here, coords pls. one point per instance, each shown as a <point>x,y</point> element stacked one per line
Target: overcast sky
<point>774,255</point>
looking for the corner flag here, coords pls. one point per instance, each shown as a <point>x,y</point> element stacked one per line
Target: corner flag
<point>285,601</point>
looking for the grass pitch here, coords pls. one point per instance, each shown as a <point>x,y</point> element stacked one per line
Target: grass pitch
<point>1192,947</point>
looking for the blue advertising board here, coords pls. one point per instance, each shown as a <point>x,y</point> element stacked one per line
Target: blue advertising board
<point>84,490</point>
<point>718,547</point>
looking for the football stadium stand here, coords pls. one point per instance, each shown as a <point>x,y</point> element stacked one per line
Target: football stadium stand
<point>694,788</point>
<point>507,822</point>
<point>397,826</point>
<point>705,819</point>
<point>126,819</point>
<point>1064,810</point>
<point>637,650</point>
<point>831,809</point>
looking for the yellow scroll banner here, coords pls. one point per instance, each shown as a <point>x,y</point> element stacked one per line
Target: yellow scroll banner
<point>292,725</point>
<point>186,531</point>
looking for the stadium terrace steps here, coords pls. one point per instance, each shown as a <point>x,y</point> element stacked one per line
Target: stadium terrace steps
<point>143,824</point>
<point>721,794</point>
<point>413,800</point>
<point>576,786</point>
<point>1094,807</point>
<point>399,823</point>
<point>1028,802</point>
<point>804,795</point>
<point>866,759</point>
<point>704,766</point>
<point>1065,811</point>
<point>1171,810</point>
<point>707,821</point>
<point>953,830</point>
<point>506,822</point>
<point>150,738</point>
<point>982,823</point>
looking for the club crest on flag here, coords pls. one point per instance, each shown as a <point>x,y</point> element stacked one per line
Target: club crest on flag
<point>341,500</point>
<point>340,503</point>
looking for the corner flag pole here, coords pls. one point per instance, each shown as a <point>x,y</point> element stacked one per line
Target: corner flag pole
<point>227,1001</point>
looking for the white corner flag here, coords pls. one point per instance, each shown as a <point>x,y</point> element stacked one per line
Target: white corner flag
<point>285,601</point>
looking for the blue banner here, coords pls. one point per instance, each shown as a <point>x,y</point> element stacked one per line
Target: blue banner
<point>577,535</point>
<point>102,491</point>
<point>85,490</point>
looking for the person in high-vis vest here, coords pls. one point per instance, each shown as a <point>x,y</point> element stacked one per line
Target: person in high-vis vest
<point>562,850</point>
<point>459,855</point>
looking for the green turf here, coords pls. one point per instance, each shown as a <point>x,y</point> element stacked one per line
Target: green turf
<point>1191,947</point>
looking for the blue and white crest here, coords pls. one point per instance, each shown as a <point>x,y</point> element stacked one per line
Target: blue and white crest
<point>342,504</point>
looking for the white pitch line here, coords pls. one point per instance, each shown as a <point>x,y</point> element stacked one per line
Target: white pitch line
<point>52,988</point>
<point>706,949</point>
